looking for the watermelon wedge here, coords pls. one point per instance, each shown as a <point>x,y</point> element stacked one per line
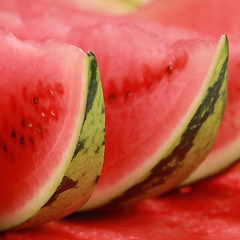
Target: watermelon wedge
<point>222,17</point>
<point>133,102</point>
<point>226,149</point>
<point>158,105</point>
<point>52,130</point>
<point>206,211</point>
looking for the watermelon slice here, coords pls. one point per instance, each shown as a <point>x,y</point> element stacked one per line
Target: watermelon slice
<point>52,130</point>
<point>206,211</point>
<point>135,102</point>
<point>226,149</point>
<point>158,105</point>
<point>222,17</point>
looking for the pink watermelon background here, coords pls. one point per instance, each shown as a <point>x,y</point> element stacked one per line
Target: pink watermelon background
<point>207,210</point>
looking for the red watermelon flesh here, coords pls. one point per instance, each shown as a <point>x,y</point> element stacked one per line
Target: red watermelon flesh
<point>211,18</point>
<point>208,210</point>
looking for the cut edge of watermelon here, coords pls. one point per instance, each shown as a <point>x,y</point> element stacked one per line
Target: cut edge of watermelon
<point>33,206</point>
<point>105,196</point>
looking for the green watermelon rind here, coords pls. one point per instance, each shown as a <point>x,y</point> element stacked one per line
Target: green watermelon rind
<point>215,162</point>
<point>186,149</point>
<point>83,165</point>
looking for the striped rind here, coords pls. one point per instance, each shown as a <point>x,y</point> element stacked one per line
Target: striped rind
<point>192,142</point>
<point>84,170</point>
<point>215,162</point>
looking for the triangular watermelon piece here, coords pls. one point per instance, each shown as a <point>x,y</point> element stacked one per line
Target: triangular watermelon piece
<point>51,102</point>
<point>139,106</point>
<point>211,18</point>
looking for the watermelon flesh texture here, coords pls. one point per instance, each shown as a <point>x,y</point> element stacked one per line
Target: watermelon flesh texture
<point>127,111</point>
<point>43,101</point>
<point>222,17</point>
<point>206,211</point>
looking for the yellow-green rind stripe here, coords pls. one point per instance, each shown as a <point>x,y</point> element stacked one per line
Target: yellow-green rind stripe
<point>83,173</point>
<point>193,143</point>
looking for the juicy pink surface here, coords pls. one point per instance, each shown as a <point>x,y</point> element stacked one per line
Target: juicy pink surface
<point>209,210</point>
<point>37,89</point>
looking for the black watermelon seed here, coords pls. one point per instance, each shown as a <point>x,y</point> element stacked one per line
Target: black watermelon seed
<point>5,148</point>
<point>35,101</point>
<point>13,134</point>
<point>21,140</point>
<point>23,122</point>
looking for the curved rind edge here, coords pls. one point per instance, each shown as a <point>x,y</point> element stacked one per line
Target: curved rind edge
<point>192,145</point>
<point>85,168</point>
<point>215,163</point>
